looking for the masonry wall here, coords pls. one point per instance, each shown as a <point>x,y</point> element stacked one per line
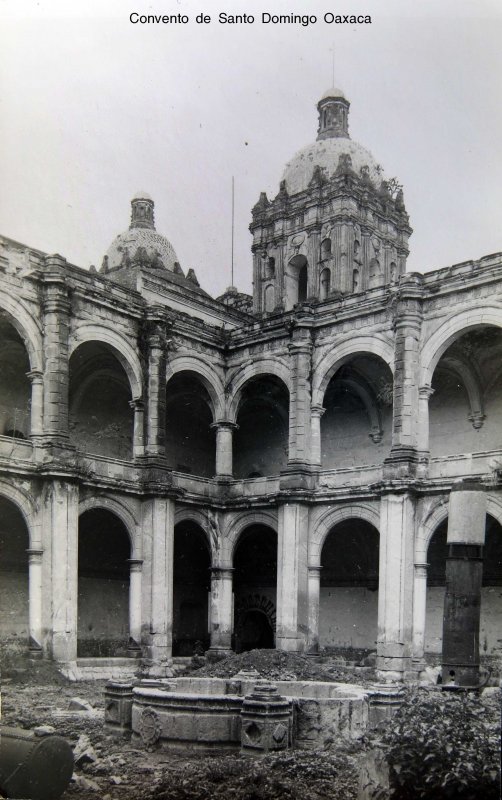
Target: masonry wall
<point>14,607</point>
<point>451,432</point>
<point>348,617</point>
<point>103,617</point>
<point>102,422</point>
<point>345,438</point>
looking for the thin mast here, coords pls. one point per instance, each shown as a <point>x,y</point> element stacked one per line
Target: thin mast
<point>233,225</point>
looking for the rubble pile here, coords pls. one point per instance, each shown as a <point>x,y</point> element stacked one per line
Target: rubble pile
<point>276,665</point>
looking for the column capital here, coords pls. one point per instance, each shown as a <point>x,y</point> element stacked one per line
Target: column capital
<point>138,404</point>
<point>421,568</point>
<point>224,424</point>
<point>135,564</point>
<point>35,376</point>
<point>35,555</point>
<point>425,391</point>
<point>314,568</point>
<point>220,573</point>
<point>317,411</point>
<point>300,348</point>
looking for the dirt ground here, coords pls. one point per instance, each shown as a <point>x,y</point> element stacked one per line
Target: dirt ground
<point>114,768</point>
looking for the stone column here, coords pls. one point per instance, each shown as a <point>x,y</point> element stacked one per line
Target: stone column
<point>464,572</point>
<point>35,600</point>
<point>424,395</point>
<point>224,435</point>
<point>221,611</point>
<point>419,611</point>
<point>314,591</point>
<point>292,581</point>
<point>316,413</point>
<point>138,430</point>
<point>56,321</point>
<point>395,587</point>
<point>37,402</point>
<point>63,521</point>
<point>158,531</point>
<point>408,321</point>
<point>156,402</point>
<point>135,568</point>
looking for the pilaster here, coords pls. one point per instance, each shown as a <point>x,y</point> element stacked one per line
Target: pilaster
<point>56,318</point>
<point>292,577</point>
<point>395,588</point>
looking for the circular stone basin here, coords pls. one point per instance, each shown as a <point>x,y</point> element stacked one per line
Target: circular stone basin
<point>205,713</point>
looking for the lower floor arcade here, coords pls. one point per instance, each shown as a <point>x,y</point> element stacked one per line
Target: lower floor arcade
<point>103,575</point>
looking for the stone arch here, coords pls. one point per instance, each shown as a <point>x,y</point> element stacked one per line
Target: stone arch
<point>26,507</point>
<point>254,369</point>
<point>349,348</point>
<point>199,517</point>
<point>437,514</point>
<point>331,517</point>
<point>28,329</point>
<point>457,324</point>
<point>121,511</point>
<point>207,376</point>
<point>123,350</point>
<point>237,526</point>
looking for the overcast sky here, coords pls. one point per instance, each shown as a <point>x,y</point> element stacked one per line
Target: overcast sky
<point>94,108</point>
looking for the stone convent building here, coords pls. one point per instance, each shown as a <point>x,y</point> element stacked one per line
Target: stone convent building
<point>180,472</point>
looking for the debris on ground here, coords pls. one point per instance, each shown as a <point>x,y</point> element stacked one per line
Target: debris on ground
<point>278,665</point>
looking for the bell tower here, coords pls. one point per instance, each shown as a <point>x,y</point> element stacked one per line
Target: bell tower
<point>338,225</point>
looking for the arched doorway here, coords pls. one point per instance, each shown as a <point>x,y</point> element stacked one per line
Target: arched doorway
<point>260,443</point>
<point>14,578</point>
<point>465,409</point>
<point>101,417</point>
<point>190,442</point>
<point>192,583</point>
<point>103,585</point>
<point>15,389</point>
<point>490,643</point>
<point>348,603</point>
<point>356,427</point>
<point>255,588</point>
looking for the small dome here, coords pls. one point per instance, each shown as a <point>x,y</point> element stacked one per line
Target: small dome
<point>325,154</point>
<point>125,246</point>
<point>142,196</point>
<point>333,93</point>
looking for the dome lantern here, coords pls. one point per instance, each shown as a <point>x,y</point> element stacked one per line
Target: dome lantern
<point>142,216</point>
<point>333,108</point>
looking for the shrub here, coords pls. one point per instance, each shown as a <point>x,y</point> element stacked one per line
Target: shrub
<point>444,745</point>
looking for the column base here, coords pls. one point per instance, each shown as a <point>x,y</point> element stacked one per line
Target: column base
<point>290,644</point>
<point>218,654</point>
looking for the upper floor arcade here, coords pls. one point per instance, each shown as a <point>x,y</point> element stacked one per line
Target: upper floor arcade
<point>403,380</point>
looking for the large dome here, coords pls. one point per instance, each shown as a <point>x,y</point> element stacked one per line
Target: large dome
<point>325,154</point>
<point>142,243</point>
